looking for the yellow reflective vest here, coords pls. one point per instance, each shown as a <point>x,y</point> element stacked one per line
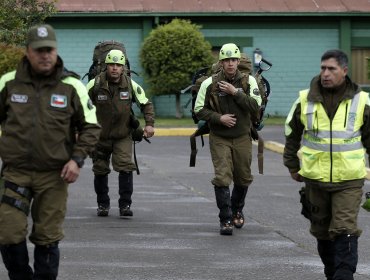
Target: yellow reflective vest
<point>332,150</point>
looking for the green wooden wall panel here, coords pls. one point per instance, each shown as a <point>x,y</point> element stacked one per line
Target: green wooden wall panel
<point>293,48</point>
<point>294,53</point>
<point>361,42</point>
<point>76,47</point>
<point>238,40</point>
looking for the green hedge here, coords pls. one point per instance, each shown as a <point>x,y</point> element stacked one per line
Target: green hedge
<point>9,57</point>
<point>171,54</point>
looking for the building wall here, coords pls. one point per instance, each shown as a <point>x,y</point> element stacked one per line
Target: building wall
<point>295,55</point>
<point>76,47</point>
<point>294,48</point>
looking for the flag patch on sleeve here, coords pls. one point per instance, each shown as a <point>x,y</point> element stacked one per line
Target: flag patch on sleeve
<point>58,101</point>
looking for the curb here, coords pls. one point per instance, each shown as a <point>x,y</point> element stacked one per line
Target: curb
<point>187,131</point>
<point>183,131</point>
<point>274,146</point>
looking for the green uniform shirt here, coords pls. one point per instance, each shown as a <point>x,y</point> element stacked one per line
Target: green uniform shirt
<point>113,103</point>
<point>243,105</point>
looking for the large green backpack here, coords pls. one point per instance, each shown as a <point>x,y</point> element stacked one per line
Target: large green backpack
<point>100,52</point>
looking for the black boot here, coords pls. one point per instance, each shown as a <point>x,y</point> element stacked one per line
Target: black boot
<point>101,190</point>
<point>326,251</point>
<point>346,257</point>
<point>46,262</point>
<point>224,205</point>
<point>16,261</point>
<point>126,188</point>
<point>237,204</point>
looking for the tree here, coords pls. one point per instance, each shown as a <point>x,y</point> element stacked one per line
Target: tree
<point>17,16</point>
<point>171,54</point>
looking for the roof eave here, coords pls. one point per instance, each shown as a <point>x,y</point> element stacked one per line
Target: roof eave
<point>218,14</point>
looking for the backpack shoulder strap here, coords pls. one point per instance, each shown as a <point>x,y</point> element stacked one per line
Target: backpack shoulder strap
<point>213,99</point>
<point>130,87</point>
<point>245,83</point>
<point>96,85</point>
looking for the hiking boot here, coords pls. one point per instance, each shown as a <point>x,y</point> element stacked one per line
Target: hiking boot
<point>226,228</point>
<point>125,211</point>
<point>238,219</point>
<point>102,211</point>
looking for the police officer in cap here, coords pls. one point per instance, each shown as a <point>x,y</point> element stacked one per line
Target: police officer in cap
<point>41,107</point>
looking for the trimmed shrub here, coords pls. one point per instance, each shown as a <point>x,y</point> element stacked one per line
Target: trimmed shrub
<point>171,54</point>
<point>10,56</point>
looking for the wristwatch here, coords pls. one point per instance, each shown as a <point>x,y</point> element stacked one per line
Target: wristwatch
<point>79,160</point>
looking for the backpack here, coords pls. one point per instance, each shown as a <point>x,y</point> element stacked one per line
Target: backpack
<point>100,52</point>
<point>245,66</point>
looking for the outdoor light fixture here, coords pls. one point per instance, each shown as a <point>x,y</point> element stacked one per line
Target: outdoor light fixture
<point>257,57</point>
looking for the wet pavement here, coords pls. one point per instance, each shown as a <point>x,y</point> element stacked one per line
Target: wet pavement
<point>174,233</point>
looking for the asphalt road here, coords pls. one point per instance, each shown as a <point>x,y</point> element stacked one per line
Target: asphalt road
<point>174,233</point>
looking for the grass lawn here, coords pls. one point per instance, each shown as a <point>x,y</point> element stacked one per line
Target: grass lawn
<point>188,122</point>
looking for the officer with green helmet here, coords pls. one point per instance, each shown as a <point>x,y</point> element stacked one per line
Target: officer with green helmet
<point>333,116</point>
<point>42,105</point>
<point>113,92</point>
<point>227,101</point>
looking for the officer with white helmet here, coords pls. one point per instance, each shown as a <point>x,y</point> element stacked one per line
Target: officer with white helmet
<point>113,93</point>
<point>227,101</point>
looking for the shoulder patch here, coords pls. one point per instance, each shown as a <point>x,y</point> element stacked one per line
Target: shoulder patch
<point>19,98</point>
<point>102,97</point>
<point>256,91</point>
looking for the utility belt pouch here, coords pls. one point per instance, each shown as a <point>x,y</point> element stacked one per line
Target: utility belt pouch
<point>137,131</point>
<point>306,206</point>
<point>137,134</point>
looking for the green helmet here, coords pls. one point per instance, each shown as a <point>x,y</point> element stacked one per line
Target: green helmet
<point>116,57</point>
<point>229,51</point>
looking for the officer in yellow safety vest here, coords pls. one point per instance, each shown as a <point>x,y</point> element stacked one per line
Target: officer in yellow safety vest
<point>333,116</point>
